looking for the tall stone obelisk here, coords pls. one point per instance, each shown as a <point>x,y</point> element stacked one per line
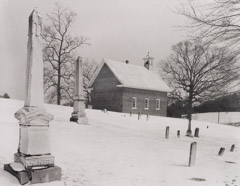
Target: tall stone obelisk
<point>33,161</point>
<point>79,114</point>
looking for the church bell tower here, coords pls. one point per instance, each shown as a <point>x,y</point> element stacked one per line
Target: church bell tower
<point>148,62</point>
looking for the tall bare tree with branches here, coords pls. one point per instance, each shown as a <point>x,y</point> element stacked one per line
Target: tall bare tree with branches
<point>199,73</point>
<point>214,21</point>
<point>89,68</point>
<point>58,54</point>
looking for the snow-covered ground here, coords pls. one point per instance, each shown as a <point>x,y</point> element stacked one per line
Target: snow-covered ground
<point>218,117</point>
<point>118,150</point>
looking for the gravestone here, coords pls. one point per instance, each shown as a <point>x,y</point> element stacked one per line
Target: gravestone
<point>147,117</point>
<point>221,151</point>
<point>79,114</point>
<point>178,133</point>
<point>139,116</point>
<point>130,114</point>
<point>33,160</point>
<point>196,133</point>
<point>192,155</point>
<point>167,132</point>
<point>232,148</point>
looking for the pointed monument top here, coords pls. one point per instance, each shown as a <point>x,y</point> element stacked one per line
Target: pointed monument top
<point>79,58</point>
<point>35,16</point>
<point>35,23</point>
<point>34,73</point>
<point>34,12</point>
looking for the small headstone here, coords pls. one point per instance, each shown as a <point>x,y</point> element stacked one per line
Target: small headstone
<point>89,106</point>
<point>167,132</point>
<point>189,132</point>
<point>193,152</point>
<point>139,116</point>
<point>147,117</point>
<point>178,133</point>
<point>221,151</point>
<point>232,148</point>
<point>196,134</point>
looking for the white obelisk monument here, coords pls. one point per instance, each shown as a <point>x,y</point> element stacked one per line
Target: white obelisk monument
<point>33,162</point>
<point>79,114</point>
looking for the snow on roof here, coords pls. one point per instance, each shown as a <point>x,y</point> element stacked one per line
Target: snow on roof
<point>134,76</point>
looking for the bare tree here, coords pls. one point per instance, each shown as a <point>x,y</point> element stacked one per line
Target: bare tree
<point>198,73</point>
<point>216,21</point>
<point>58,54</point>
<point>89,68</point>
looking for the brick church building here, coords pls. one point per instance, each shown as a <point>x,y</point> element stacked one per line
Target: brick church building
<point>123,87</point>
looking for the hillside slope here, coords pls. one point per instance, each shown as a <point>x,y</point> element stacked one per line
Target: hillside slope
<point>118,150</point>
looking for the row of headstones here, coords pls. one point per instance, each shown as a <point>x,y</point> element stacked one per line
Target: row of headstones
<point>222,150</point>
<point>193,147</point>
<point>193,152</point>
<point>139,114</point>
<point>196,133</point>
<point>131,113</point>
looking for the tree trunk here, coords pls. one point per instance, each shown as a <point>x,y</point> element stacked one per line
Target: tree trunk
<point>189,130</point>
<point>59,85</point>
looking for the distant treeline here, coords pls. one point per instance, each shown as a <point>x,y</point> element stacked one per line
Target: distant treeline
<point>229,103</point>
<point>5,96</point>
<point>176,109</point>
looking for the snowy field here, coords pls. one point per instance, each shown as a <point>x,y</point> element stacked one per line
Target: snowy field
<point>221,117</point>
<point>118,150</point>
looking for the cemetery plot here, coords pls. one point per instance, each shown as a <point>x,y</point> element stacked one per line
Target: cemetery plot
<point>117,150</point>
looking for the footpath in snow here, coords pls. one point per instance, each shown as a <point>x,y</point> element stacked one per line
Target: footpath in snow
<point>118,150</point>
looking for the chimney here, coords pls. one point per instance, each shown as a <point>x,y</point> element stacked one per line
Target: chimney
<point>148,62</point>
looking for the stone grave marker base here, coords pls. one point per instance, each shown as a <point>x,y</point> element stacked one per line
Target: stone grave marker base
<point>33,161</point>
<point>40,175</point>
<point>79,120</point>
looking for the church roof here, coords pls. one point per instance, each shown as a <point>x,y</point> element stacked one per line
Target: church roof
<point>134,76</point>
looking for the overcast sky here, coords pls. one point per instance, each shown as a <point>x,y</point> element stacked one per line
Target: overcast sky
<point>117,29</point>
